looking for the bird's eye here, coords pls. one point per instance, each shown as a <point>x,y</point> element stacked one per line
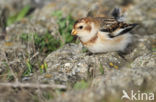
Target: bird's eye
<point>80,27</point>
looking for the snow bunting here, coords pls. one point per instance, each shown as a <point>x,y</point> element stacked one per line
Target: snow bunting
<point>100,34</point>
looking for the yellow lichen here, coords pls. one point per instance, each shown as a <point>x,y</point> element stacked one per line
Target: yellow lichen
<point>111,64</point>
<point>48,76</point>
<point>116,67</point>
<point>8,44</point>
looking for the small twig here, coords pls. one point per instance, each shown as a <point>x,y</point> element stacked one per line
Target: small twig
<point>12,72</point>
<point>33,85</point>
<point>34,55</point>
<point>11,62</point>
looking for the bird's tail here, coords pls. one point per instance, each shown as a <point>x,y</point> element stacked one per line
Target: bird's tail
<point>116,13</point>
<point>128,28</point>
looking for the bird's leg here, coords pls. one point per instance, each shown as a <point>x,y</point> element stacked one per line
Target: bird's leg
<point>121,54</point>
<point>85,50</point>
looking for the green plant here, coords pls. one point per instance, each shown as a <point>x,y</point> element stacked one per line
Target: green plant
<point>17,17</point>
<point>26,37</point>
<point>43,67</point>
<point>65,27</point>
<point>153,49</point>
<point>44,43</point>
<point>9,75</point>
<point>101,69</point>
<point>48,95</point>
<point>28,68</point>
<point>84,50</point>
<point>81,85</point>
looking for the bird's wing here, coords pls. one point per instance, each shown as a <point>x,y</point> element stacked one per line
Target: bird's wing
<point>113,27</point>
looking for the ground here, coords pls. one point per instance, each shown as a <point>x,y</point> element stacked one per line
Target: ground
<point>41,62</point>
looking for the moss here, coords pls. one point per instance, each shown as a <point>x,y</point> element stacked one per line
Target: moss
<point>81,85</point>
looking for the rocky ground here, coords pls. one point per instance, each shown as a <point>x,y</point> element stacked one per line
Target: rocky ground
<point>39,50</point>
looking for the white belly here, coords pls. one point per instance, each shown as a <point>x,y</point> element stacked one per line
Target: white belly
<point>100,47</point>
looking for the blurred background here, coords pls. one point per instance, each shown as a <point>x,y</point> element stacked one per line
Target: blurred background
<point>36,47</point>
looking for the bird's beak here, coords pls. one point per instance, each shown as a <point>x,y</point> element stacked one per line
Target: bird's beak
<point>74,32</point>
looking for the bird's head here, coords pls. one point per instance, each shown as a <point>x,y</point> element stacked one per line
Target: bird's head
<point>84,27</point>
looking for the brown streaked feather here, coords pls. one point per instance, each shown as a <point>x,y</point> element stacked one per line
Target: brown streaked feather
<point>105,22</point>
<point>114,26</point>
<point>88,28</point>
<point>111,26</point>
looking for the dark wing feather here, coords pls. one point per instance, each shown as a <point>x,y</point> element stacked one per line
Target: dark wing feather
<point>106,23</point>
<point>113,27</point>
<point>128,28</point>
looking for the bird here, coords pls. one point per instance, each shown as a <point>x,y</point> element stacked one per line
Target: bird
<point>100,34</point>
